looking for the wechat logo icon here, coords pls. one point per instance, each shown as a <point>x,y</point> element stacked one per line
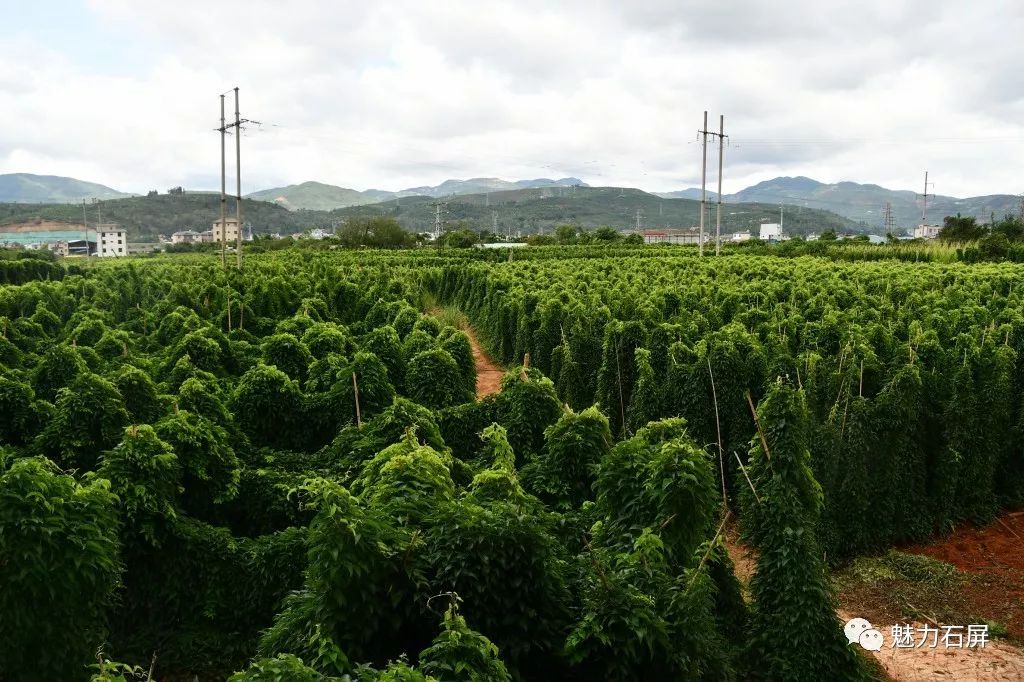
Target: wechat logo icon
<point>860,631</point>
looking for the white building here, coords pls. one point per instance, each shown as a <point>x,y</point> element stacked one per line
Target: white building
<point>927,231</point>
<point>740,237</point>
<point>184,237</point>
<point>770,232</point>
<point>230,230</point>
<point>60,248</point>
<point>111,240</point>
<point>675,235</point>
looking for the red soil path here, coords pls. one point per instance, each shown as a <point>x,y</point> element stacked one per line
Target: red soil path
<point>995,551</point>
<point>488,374</point>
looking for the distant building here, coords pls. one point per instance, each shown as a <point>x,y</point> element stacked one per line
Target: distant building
<point>501,245</point>
<point>112,240</point>
<point>61,248</point>
<point>927,231</point>
<point>674,235</point>
<point>230,232</point>
<point>740,237</point>
<point>185,237</point>
<point>81,247</point>
<point>770,232</point>
<point>319,233</point>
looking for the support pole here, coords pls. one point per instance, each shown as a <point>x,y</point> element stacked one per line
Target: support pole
<point>238,178</point>
<point>223,188</point>
<point>718,217</point>
<point>703,180</point>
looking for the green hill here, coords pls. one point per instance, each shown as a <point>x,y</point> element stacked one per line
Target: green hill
<point>864,203</point>
<point>315,196</point>
<point>318,196</point>
<point>147,217</point>
<point>34,189</point>
<point>541,209</point>
<point>522,210</point>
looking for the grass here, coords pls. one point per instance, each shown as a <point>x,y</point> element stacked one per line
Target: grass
<point>897,587</point>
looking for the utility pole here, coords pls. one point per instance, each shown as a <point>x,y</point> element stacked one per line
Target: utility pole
<point>238,180</point>
<point>721,153</point>
<point>924,207</point>
<point>638,212</point>
<point>223,188</point>
<point>887,218</point>
<point>782,218</point>
<point>1022,208</point>
<point>703,181</point>
<point>224,126</point>
<point>494,223</point>
<point>85,224</point>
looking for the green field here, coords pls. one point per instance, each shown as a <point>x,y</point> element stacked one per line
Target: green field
<point>285,473</point>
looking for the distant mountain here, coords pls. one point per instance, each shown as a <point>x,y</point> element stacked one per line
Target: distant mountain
<point>863,203</point>
<point>51,189</point>
<point>321,197</point>
<point>315,196</point>
<point>521,210</point>
<point>541,209</point>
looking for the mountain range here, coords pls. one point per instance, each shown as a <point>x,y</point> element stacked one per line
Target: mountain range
<point>27,188</point>
<point>862,203</point>
<point>524,211</point>
<point>318,196</point>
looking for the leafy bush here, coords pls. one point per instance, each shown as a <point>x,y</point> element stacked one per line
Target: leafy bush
<point>60,568</point>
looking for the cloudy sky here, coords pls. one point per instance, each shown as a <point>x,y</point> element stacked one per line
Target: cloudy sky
<point>394,94</point>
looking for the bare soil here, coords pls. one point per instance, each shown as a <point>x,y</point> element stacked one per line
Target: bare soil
<point>488,373</point>
<point>994,555</point>
<point>992,561</point>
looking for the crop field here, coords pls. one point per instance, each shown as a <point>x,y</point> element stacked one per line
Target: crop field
<point>288,472</point>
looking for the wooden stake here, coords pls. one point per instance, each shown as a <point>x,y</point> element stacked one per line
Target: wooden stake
<point>749,482</point>
<point>718,428</point>
<point>757,423</point>
<point>355,388</point>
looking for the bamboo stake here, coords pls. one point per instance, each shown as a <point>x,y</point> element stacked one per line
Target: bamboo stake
<point>718,429</point>
<point>749,482</point>
<point>757,423</point>
<point>355,388</point>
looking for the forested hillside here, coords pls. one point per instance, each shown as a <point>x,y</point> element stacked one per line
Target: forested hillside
<point>525,211</point>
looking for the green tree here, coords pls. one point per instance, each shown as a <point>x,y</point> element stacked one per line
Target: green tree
<point>60,568</point>
<point>791,584</point>
<point>89,418</point>
<point>145,474</point>
<point>961,229</point>
<point>565,234</point>
<point>460,239</point>
<point>434,379</point>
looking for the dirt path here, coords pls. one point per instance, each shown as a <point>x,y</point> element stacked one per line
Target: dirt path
<point>488,374</point>
<point>995,554</point>
<point>994,548</point>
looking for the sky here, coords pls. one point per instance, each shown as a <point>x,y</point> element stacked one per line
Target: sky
<point>394,94</point>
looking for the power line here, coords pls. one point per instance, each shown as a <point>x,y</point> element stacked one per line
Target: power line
<point>223,129</point>
<point>924,205</point>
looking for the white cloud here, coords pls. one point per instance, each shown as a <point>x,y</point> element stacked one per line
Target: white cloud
<point>396,94</point>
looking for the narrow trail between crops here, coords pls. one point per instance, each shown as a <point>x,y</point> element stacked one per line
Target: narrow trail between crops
<point>996,548</point>
<point>488,373</point>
